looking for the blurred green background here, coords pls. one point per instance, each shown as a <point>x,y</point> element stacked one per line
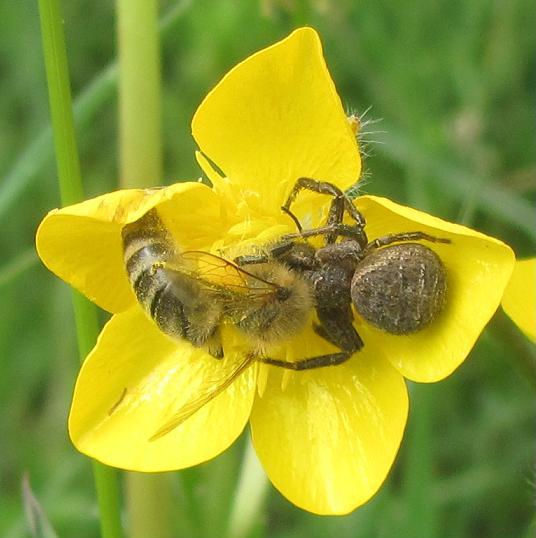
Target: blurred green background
<point>454,85</point>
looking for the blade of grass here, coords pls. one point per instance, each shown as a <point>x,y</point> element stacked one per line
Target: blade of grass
<point>97,94</point>
<point>16,266</point>
<point>71,191</point>
<point>41,150</point>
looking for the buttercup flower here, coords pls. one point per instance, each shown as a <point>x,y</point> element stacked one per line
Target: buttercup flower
<point>328,436</point>
<point>519,301</point>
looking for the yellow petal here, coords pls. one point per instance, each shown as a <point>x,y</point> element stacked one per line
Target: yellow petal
<point>328,440</point>
<point>276,117</point>
<point>82,243</point>
<point>134,380</point>
<point>519,300</point>
<point>478,268</point>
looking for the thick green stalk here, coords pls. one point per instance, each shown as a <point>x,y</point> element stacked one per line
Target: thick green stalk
<point>149,499</point>
<point>249,496</point>
<point>71,189</point>
<point>149,496</point>
<point>139,93</point>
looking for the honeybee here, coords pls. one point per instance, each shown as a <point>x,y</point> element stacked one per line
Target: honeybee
<point>190,294</point>
<point>393,282</point>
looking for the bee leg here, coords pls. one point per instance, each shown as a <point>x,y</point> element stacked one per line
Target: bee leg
<point>214,345</point>
<point>250,259</point>
<point>400,237</point>
<point>331,359</point>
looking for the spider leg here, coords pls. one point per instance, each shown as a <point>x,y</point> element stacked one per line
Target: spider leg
<point>336,327</point>
<point>276,251</point>
<point>400,237</point>
<point>339,205</point>
<point>321,187</point>
<point>293,217</point>
<point>331,359</point>
<point>341,230</point>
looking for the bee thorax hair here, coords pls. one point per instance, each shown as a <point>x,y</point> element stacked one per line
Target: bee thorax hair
<point>278,316</point>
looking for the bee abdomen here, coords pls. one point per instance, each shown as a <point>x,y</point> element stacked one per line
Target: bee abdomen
<point>143,272</point>
<point>168,312</point>
<point>146,247</point>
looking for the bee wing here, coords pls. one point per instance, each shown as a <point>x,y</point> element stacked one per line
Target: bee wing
<point>213,388</point>
<point>214,270</point>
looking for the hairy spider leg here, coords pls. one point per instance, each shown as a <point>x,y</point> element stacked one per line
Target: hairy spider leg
<point>401,237</point>
<point>339,205</point>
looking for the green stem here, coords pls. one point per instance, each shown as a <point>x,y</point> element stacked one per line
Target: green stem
<point>150,503</point>
<point>421,508</point>
<point>149,497</point>
<point>70,181</point>
<point>139,93</point>
<point>108,495</point>
<point>59,94</point>
<point>249,495</point>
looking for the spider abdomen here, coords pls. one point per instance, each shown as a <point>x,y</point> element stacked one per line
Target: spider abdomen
<point>400,289</point>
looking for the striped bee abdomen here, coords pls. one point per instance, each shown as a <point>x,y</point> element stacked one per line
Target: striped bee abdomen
<point>147,245</point>
<point>174,299</point>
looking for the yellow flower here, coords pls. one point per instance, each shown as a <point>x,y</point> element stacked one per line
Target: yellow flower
<point>326,437</point>
<point>519,300</point>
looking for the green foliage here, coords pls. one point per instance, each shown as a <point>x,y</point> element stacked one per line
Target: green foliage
<point>454,84</point>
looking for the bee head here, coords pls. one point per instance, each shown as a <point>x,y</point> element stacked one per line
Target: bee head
<point>282,293</point>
